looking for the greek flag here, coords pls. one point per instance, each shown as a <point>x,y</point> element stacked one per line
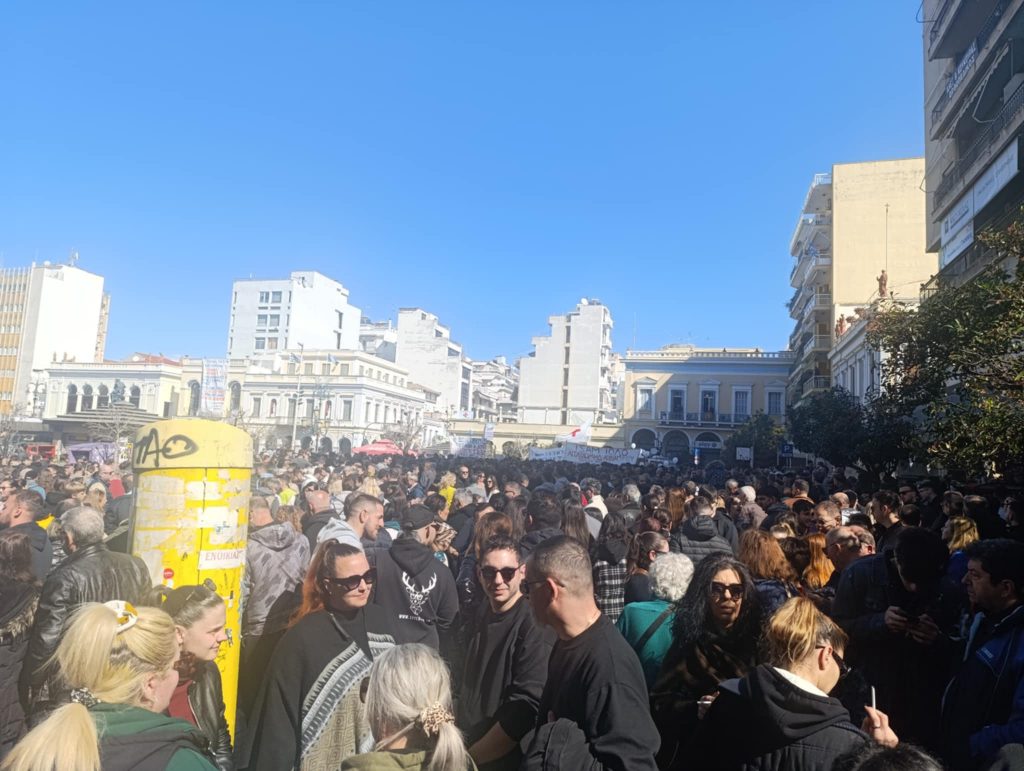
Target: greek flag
<point>294,358</point>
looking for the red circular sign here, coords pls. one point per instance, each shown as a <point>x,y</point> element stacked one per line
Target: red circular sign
<point>168,574</point>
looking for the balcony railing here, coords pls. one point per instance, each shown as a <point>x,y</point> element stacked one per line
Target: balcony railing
<point>983,144</point>
<point>967,61</point>
<point>940,19</point>
<point>675,417</point>
<point>817,383</point>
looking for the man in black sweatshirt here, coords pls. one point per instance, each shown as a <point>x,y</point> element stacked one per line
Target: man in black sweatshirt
<point>506,663</point>
<point>594,712</point>
<point>413,586</point>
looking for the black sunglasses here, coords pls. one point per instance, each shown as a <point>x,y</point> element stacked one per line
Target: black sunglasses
<point>844,668</point>
<point>525,585</point>
<point>351,583</point>
<point>719,591</point>
<point>490,573</point>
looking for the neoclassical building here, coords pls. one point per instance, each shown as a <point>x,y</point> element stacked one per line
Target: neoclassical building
<point>680,401</point>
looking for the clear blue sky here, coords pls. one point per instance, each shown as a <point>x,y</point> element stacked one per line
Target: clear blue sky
<point>491,162</point>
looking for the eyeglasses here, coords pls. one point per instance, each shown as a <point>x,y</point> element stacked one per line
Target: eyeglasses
<point>844,668</point>
<point>351,583</point>
<point>721,591</point>
<point>524,587</point>
<point>490,573</point>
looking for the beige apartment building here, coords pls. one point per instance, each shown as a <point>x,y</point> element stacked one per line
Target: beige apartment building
<point>860,236</point>
<point>973,117</point>
<point>680,401</point>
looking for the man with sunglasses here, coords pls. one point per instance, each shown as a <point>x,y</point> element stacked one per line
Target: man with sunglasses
<point>506,663</point>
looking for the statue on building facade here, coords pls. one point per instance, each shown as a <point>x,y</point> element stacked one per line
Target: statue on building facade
<point>883,284</point>
<point>117,392</point>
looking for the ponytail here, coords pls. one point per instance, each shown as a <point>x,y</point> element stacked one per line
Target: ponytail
<point>450,750</point>
<point>66,739</point>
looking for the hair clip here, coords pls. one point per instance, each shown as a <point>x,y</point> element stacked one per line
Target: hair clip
<point>127,616</point>
<point>433,717</point>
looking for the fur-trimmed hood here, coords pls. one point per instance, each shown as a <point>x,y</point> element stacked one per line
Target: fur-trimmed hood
<point>17,610</point>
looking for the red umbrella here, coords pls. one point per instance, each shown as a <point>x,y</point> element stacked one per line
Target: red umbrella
<point>380,447</point>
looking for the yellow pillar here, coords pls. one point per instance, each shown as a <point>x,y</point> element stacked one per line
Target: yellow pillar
<point>191,517</point>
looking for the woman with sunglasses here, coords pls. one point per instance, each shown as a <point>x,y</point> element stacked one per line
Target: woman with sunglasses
<point>714,638</point>
<point>780,715</point>
<point>309,714</point>
<point>200,618</point>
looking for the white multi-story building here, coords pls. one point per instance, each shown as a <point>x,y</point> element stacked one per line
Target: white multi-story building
<point>305,310</point>
<point>48,313</point>
<point>333,400</point>
<point>567,379</point>
<point>379,338</point>
<point>426,350</point>
<point>495,383</point>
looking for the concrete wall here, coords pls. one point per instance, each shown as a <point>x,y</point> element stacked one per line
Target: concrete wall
<point>860,193</point>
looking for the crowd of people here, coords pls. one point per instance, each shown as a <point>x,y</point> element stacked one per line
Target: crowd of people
<point>450,614</point>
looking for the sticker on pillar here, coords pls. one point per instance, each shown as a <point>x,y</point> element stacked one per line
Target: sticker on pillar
<point>218,516</point>
<point>217,559</point>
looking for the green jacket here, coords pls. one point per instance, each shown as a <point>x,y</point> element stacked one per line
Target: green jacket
<point>636,618</point>
<point>135,738</point>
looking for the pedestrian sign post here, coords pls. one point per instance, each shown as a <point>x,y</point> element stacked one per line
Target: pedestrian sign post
<point>191,517</point>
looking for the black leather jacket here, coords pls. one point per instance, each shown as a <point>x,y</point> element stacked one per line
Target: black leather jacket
<point>206,698</point>
<point>90,574</point>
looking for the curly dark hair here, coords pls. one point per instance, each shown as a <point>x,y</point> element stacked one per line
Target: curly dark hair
<point>693,622</point>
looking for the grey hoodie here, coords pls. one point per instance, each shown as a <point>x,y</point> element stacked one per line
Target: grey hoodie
<point>276,559</point>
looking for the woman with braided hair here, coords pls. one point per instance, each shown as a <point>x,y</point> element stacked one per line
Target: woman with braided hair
<point>119,663</point>
<point>409,707</point>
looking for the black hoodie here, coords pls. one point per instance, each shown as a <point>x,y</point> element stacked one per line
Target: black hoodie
<point>416,590</point>
<point>763,721</point>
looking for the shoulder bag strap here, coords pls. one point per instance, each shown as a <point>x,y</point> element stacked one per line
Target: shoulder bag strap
<point>654,627</point>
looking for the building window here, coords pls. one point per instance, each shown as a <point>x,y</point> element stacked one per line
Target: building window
<point>741,405</point>
<point>645,402</point>
<point>308,369</point>
<point>257,404</point>
<point>261,319</point>
<point>325,369</point>
<point>275,319</point>
<point>104,396</point>
<point>341,319</point>
<point>677,403</point>
<point>774,402</point>
<point>194,395</point>
<point>327,410</point>
<point>310,408</point>
<point>135,396</point>
<point>86,397</point>
<point>271,343</point>
<point>275,297</point>
<point>368,408</point>
<point>346,409</point>
<point>708,405</point>
<point>343,369</point>
<point>337,340</point>
<point>235,390</point>
<point>261,343</point>
<point>273,408</point>
<point>264,297</point>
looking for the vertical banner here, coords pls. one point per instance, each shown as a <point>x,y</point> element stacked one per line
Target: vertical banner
<point>192,516</point>
<point>215,375</point>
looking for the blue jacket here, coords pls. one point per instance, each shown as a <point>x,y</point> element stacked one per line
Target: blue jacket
<point>983,708</point>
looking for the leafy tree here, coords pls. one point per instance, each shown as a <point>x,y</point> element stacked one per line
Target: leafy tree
<point>955,362</point>
<point>762,434</point>
<point>873,437</point>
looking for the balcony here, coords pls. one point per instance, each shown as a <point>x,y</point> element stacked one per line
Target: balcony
<point>701,419</point>
<point>816,383</point>
<point>955,25</point>
<point>981,150</point>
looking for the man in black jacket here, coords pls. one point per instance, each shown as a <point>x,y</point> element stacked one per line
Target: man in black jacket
<point>20,512</point>
<point>506,663</point>
<point>91,573</point>
<point>413,586</point>
<point>900,613</point>
<point>543,520</point>
<point>594,711</point>
<point>322,515</point>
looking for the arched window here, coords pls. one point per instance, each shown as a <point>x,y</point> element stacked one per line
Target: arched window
<point>72,405</point>
<point>236,397</point>
<point>193,398</point>
<point>86,398</point>
<point>136,396</point>
<point>273,408</point>
<point>104,396</point>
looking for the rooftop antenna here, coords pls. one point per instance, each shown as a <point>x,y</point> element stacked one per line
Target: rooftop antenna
<point>887,238</point>
<point>634,330</point>
<point>73,258</point>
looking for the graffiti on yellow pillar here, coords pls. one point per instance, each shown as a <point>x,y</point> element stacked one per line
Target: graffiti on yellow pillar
<point>191,517</point>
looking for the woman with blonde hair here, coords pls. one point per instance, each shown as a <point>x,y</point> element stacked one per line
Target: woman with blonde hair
<point>446,487</point>
<point>817,574</point>
<point>788,718</point>
<point>119,663</point>
<point>958,533</point>
<point>409,707</point>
